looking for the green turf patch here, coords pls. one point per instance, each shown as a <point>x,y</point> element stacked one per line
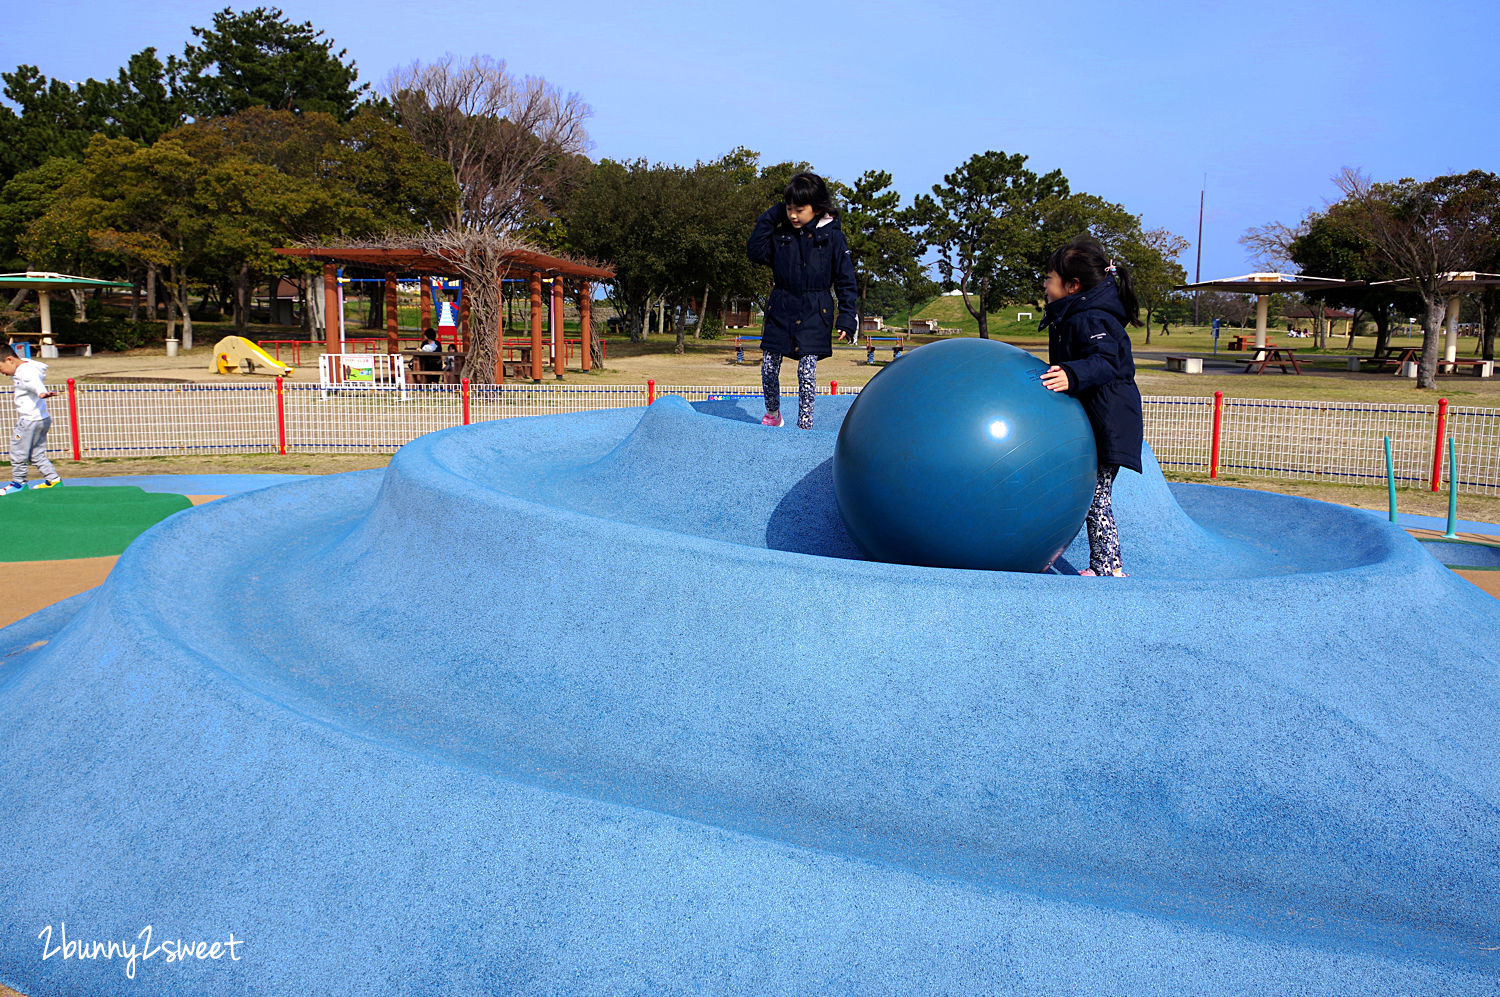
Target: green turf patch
<point>54,524</point>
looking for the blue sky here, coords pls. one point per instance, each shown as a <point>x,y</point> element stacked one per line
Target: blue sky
<point>1134,102</point>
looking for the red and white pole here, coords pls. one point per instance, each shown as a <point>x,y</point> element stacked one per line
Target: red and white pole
<point>465,383</point>
<point>73,419</point>
<point>1213,455</point>
<point>1437,446</point>
<point>280,417</point>
<point>833,387</point>
<point>650,392</point>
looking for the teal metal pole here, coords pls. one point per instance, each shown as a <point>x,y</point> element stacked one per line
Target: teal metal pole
<point>1390,478</point>
<point>1452,493</point>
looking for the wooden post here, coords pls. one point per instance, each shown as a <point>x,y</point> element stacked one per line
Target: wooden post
<point>499,346</point>
<point>463,319</point>
<point>392,331</point>
<point>536,327</point>
<point>331,342</point>
<point>559,337</point>
<point>585,323</point>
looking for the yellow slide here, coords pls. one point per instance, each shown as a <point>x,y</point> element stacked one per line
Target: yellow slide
<point>238,354</point>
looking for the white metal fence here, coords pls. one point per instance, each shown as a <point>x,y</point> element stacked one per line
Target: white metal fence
<point>1308,440</point>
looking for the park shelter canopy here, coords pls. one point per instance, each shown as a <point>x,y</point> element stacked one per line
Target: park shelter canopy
<point>44,282</point>
<point>518,262</point>
<point>1262,284</point>
<point>1455,284</point>
<point>417,261</point>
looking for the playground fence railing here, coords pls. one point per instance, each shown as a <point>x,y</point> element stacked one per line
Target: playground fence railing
<point>1267,438</point>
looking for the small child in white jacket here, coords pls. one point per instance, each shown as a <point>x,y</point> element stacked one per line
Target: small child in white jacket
<point>28,444</point>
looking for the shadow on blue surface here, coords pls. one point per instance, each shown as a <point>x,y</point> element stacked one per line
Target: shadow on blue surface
<point>603,703</point>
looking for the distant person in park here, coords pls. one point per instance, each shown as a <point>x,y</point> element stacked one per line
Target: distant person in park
<point>28,444</point>
<point>1089,302</point>
<point>429,366</point>
<point>1166,328</point>
<point>801,241</point>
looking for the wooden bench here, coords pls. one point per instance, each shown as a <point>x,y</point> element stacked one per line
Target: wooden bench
<point>1482,368</point>
<point>69,350</point>
<point>1185,365</point>
<point>894,343</point>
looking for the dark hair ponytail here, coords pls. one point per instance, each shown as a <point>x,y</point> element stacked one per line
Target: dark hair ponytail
<point>1085,261</point>
<point>809,189</point>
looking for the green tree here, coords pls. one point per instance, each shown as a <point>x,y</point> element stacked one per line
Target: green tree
<point>670,231</point>
<point>987,222</point>
<point>1424,231</point>
<point>261,58</point>
<point>880,241</point>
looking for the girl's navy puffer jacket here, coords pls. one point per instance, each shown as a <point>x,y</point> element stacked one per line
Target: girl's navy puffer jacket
<point>1086,337</point>
<point>805,263</point>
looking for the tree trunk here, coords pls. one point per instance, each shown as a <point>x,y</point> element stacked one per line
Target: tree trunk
<point>1353,325</point>
<point>979,313</point>
<point>1148,325</point>
<point>151,293</point>
<point>596,351</point>
<point>375,317</point>
<point>242,299</point>
<point>1432,339</point>
<point>702,314</point>
<point>1382,328</point>
<point>135,301</point>
<point>80,312</point>
<point>679,323</point>
<point>171,318</point>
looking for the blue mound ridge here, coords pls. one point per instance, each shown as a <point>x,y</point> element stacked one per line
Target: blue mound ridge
<point>607,703</point>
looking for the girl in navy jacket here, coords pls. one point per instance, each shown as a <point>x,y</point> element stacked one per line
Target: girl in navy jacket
<point>800,239</point>
<point>1089,302</point>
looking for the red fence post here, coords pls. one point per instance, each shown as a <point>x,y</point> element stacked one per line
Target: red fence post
<point>833,387</point>
<point>465,383</point>
<point>280,417</point>
<point>650,392</point>
<point>1213,456</point>
<point>1437,447</point>
<point>73,418</point>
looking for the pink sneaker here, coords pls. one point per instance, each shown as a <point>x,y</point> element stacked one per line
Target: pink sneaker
<point>771,419</point>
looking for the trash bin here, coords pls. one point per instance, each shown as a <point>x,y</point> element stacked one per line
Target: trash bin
<point>1352,363</point>
<point>172,345</point>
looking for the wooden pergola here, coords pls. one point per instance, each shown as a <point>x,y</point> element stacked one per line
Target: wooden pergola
<point>519,264</point>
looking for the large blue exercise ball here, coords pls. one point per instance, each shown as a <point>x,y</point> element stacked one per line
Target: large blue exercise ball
<point>956,456</point>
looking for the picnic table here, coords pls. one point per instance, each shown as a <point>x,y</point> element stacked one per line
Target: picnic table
<point>1246,343</point>
<point>1279,355</point>
<point>1395,355</point>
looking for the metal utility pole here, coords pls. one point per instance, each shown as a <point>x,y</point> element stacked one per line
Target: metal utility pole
<point>1198,267</point>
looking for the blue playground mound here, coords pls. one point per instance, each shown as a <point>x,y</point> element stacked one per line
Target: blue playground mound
<point>608,703</point>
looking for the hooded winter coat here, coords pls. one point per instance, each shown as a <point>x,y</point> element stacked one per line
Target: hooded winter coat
<point>1086,337</point>
<point>805,264</point>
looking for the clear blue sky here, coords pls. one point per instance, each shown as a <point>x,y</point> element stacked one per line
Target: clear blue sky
<point>1134,102</point>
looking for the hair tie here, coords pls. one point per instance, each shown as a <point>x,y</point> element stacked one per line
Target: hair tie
<point>1110,268</point>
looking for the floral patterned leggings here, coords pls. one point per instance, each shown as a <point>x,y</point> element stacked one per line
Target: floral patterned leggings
<point>807,385</point>
<point>1104,539</point>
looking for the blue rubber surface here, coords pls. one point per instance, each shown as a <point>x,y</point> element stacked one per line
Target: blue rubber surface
<point>605,703</point>
<point>192,484</point>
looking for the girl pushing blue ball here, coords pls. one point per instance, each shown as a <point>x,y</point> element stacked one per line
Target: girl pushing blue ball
<point>801,241</point>
<point>1090,300</point>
